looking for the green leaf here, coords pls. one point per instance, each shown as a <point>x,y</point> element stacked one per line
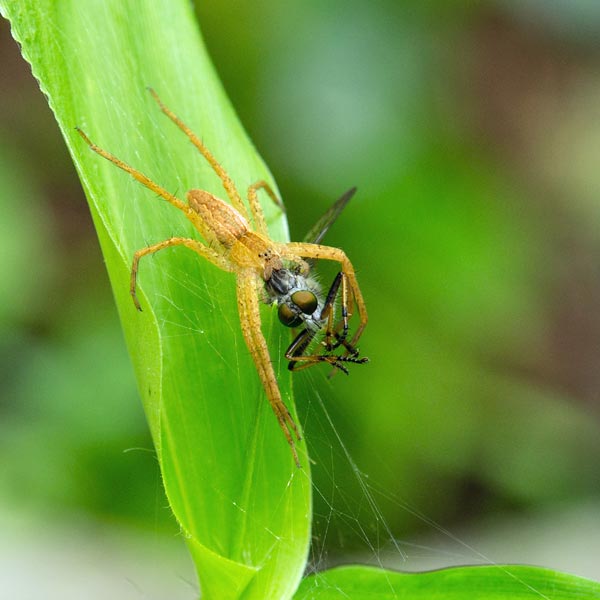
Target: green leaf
<point>497,582</point>
<point>243,507</point>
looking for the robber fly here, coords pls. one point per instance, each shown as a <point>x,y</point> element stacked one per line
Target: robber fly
<point>301,303</point>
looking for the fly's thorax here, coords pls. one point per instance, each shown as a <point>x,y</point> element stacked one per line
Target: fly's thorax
<point>280,283</point>
<point>298,297</point>
<point>222,221</point>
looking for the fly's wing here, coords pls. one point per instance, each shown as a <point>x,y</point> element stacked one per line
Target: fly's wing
<point>321,227</point>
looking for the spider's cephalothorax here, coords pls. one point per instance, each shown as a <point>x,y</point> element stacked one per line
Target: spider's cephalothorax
<point>233,245</point>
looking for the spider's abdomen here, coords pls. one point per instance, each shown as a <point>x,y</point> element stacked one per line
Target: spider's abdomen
<point>222,220</point>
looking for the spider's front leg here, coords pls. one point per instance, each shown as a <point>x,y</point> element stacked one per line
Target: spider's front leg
<point>248,308</point>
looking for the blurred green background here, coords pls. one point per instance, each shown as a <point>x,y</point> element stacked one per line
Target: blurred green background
<point>472,131</point>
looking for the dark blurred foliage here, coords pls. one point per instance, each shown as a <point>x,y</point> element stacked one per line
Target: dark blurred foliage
<point>471,131</point>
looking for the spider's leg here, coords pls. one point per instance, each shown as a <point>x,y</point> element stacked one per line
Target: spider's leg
<point>204,251</point>
<point>251,328</point>
<point>143,179</point>
<point>256,208</point>
<point>227,182</point>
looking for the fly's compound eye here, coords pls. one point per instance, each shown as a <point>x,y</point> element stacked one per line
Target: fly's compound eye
<point>306,301</point>
<point>288,317</point>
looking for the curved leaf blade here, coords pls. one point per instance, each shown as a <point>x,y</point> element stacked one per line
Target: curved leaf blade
<point>493,582</point>
<point>243,506</point>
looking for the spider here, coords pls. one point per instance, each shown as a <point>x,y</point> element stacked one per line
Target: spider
<point>233,245</point>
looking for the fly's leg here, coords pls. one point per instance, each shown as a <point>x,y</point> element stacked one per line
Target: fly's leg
<point>299,360</point>
<point>296,349</point>
<point>328,308</point>
<point>331,331</point>
<point>251,328</point>
<point>204,251</point>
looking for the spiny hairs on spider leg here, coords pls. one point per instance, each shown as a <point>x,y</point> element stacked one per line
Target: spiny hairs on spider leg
<point>233,244</point>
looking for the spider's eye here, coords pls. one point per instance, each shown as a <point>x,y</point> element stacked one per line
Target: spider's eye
<point>306,301</point>
<point>288,317</point>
